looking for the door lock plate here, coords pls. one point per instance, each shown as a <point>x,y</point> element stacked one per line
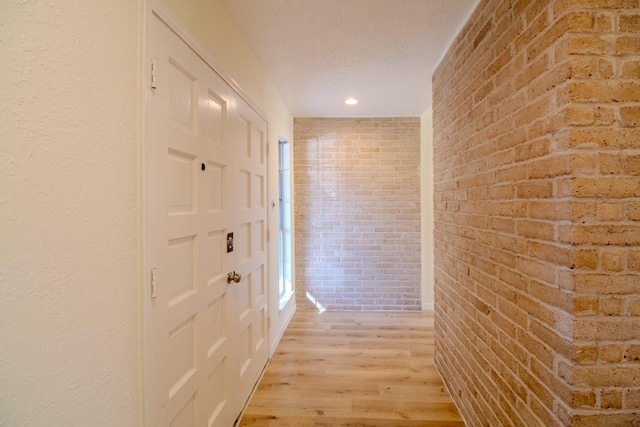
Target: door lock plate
<point>229,242</point>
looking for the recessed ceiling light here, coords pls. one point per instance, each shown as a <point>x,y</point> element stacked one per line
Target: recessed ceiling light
<point>351,101</point>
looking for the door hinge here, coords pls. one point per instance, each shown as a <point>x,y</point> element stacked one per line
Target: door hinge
<point>153,74</point>
<point>268,322</point>
<point>153,283</point>
<point>268,148</point>
<point>268,236</point>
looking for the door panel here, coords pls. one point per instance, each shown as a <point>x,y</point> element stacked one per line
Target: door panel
<point>252,216</point>
<point>206,177</point>
<point>187,415</point>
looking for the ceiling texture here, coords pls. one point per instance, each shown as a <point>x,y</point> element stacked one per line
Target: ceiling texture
<point>320,52</point>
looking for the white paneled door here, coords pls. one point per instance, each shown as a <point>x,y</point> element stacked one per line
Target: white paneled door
<point>206,333</point>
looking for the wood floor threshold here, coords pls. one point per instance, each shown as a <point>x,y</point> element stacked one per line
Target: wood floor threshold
<point>353,369</point>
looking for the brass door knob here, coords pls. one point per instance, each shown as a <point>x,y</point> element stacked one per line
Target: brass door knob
<point>233,277</point>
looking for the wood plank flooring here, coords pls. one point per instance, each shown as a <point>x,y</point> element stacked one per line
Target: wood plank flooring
<point>353,369</point>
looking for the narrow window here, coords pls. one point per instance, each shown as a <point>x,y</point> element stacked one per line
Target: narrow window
<point>284,184</point>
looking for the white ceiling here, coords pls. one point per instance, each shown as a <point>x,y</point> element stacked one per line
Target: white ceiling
<point>320,52</point>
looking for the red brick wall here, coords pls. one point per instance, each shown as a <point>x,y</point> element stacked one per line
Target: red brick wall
<point>537,203</point>
<point>357,213</point>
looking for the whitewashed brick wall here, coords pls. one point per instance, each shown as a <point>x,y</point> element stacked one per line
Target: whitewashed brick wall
<point>357,213</point>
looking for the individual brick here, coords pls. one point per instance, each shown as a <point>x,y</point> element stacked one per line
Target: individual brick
<point>585,305</point>
<point>586,258</point>
<point>629,23</point>
<point>611,399</point>
<point>611,306</point>
<point>632,353</point>
<point>630,116</point>
<point>632,398</point>
<point>613,259</point>
<point>632,164</point>
<point>627,45</point>
<point>631,69</point>
<point>611,163</point>
<point>613,211</point>
<point>603,22</point>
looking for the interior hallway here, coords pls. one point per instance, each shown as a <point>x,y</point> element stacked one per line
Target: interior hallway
<point>340,368</point>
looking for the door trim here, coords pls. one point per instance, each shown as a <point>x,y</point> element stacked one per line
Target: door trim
<point>151,9</point>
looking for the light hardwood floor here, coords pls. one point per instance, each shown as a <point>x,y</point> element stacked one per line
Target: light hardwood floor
<point>353,369</point>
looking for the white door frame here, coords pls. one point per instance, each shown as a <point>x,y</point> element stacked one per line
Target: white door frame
<point>152,8</point>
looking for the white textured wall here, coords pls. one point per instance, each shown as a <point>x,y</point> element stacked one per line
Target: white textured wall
<point>426,191</point>
<point>69,213</point>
